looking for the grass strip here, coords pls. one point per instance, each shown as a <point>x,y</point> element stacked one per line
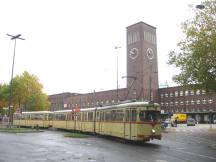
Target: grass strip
<point>76,135</point>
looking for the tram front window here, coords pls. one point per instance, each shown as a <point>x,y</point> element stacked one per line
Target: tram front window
<point>149,116</point>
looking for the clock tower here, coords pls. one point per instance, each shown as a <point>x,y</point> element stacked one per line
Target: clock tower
<point>142,67</point>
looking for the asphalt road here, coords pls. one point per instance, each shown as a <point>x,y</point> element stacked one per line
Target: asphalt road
<point>181,144</point>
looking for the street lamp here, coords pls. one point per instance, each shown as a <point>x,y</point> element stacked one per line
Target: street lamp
<point>116,48</point>
<point>10,114</point>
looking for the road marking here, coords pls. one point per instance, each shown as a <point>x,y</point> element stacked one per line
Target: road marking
<point>191,153</point>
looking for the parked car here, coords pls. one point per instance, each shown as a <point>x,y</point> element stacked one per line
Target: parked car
<point>191,122</point>
<point>165,123</point>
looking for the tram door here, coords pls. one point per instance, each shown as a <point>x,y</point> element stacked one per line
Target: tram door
<point>130,124</point>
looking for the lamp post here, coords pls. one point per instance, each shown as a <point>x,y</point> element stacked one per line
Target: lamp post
<point>10,114</point>
<point>117,47</point>
<point>210,118</point>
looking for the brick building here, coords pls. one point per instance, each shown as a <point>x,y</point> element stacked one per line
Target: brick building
<point>142,83</point>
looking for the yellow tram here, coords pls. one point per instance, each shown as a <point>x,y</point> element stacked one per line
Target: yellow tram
<point>136,121</point>
<point>32,119</point>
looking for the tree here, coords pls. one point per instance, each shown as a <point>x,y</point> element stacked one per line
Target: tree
<point>38,101</point>
<point>26,93</point>
<point>196,57</point>
<point>4,95</point>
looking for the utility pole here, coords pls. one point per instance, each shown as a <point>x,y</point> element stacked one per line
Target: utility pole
<point>150,89</point>
<point>117,97</point>
<point>10,113</point>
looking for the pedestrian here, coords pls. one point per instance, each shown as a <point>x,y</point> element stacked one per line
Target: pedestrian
<point>176,122</point>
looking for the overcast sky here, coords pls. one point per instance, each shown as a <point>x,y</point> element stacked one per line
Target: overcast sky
<point>70,44</point>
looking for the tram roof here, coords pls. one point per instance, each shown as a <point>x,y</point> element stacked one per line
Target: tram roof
<point>37,112</point>
<point>130,104</point>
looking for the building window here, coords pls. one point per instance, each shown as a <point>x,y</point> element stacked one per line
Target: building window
<point>192,102</point>
<point>162,95</point>
<point>171,103</point>
<point>171,94</point>
<point>210,101</point>
<point>191,92</point>
<point>181,93</point>
<point>198,92</point>
<point>162,104</point>
<point>204,101</point>
<point>176,103</point>
<point>166,104</point>
<point>166,94</point>
<point>176,93</point>
<point>181,102</point>
<point>186,93</point>
<point>198,102</point>
<point>203,92</point>
<point>187,102</point>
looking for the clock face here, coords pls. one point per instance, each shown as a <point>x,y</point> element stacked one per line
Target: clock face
<point>150,53</point>
<point>133,53</point>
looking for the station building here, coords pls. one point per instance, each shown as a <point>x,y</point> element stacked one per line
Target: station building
<point>142,83</point>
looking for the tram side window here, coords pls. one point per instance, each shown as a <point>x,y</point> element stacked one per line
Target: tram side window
<point>50,116</point>
<point>142,116</point>
<point>101,116</point>
<point>133,115</point>
<point>17,116</point>
<point>149,116</point>
<point>90,116</point>
<point>153,115</point>
<point>70,116</point>
<point>98,116</point>
<point>113,115</point>
<point>33,117</point>
<point>60,116</point>
<point>119,115</point>
<point>107,116</point>
<point>127,115</point>
<point>37,116</point>
<point>78,116</point>
<point>22,117</point>
<point>27,116</point>
<point>45,116</point>
<point>85,116</point>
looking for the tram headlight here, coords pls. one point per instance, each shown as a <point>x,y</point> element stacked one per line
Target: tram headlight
<point>153,131</point>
